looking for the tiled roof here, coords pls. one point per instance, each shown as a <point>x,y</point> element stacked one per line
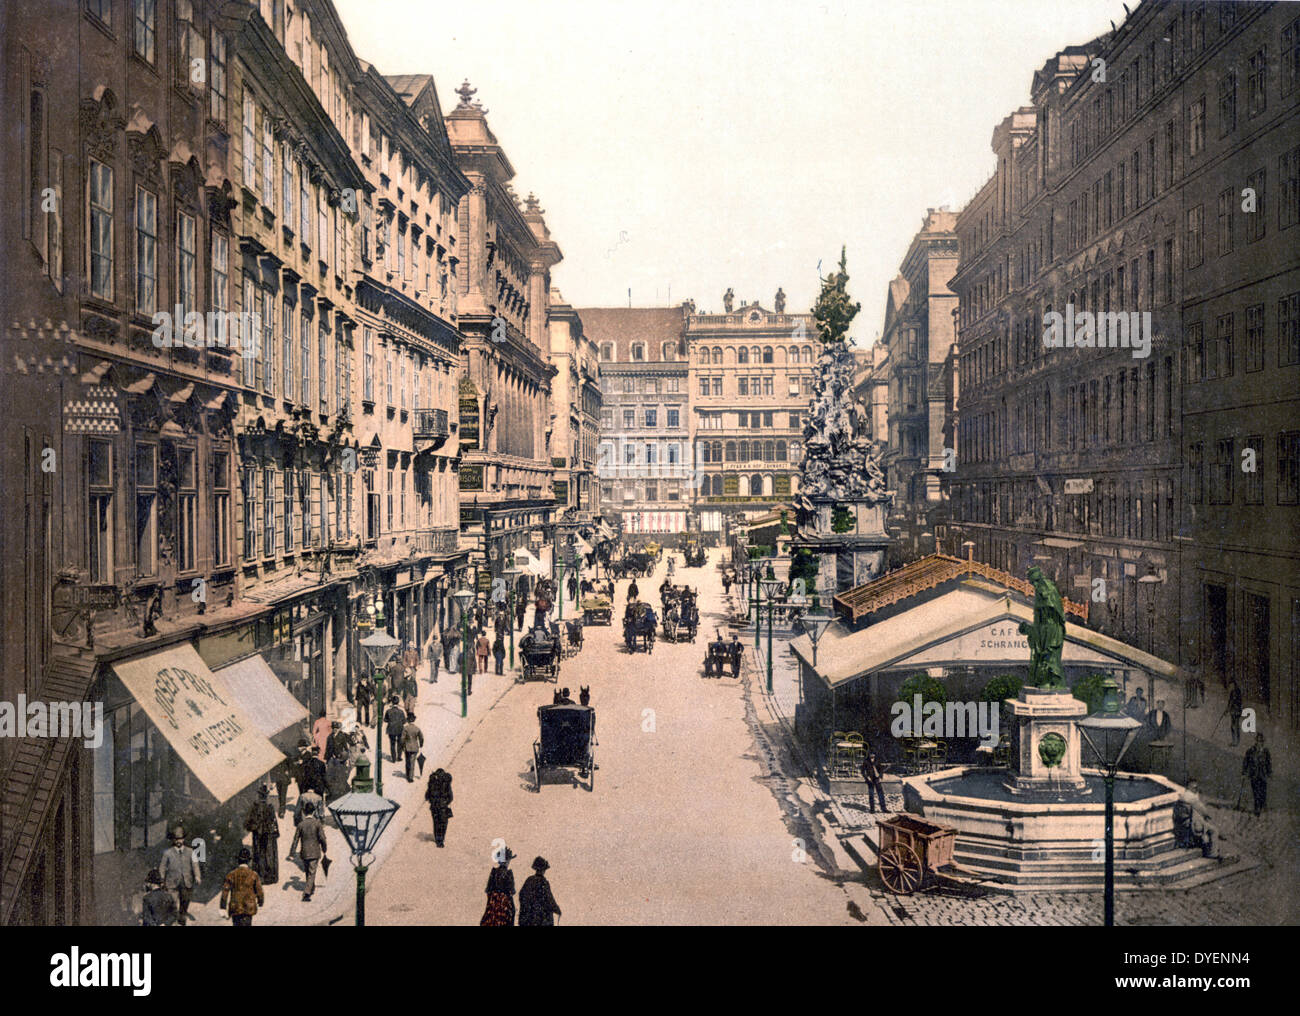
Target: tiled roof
<point>624,325</point>
<point>926,574</point>
<point>408,86</point>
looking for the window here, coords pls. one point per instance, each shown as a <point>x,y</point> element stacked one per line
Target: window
<point>1219,360</point>
<point>286,333</point>
<point>389,504</point>
<point>304,207</point>
<point>267,364</point>
<point>629,419</point>
<point>674,418</point>
<point>146,22</point>
<point>250,513</point>
<point>1288,175</point>
<point>146,253</point>
<point>1255,337</point>
<point>1288,330</point>
<point>629,454</point>
<point>401,380</point>
<point>638,351</point>
<point>1195,236</point>
<point>249,143</point>
<point>340,373</point>
<point>220,508</point>
<point>1288,467</point>
<point>629,386</point>
<point>652,417</point>
<point>1290,56</point>
<point>1256,221</point>
<point>1171,154</point>
<point>187,494</point>
<point>1253,480</point>
<point>146,509</point>
<point>704,386</point>
<point>217,78</point>
<point>767,385</point>
<point>1256,83</point>
<point>268,512</point>
<point>717,386</point>
<point>742,386</point>
<point>1167,287</point>
<point>304,357</point>
<point>288,510</point>
<point>102,9</point>
<point>607,351</point>
<point>322,360</point>
<point>1221,475</point>
<point>742,355</point>
<point>286,186</point>
<point>1196,127</point>
<point>368,364</point>
<point>372,505</point>
<point>268,162</point>
<point>1195,472</point>
<point>1227,103</point>
<point>186,262</point>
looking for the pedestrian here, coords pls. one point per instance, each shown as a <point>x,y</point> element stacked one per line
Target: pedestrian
<point>314,848</point>
<point>158,908</point>
<point>873,773</point>
<point>448,640</point>
<point>262,823</point>
<point>438,794</point>
<point>312,774</point>
<point>1158,722</point>
<point>536,902</point>
<point>736,651</point>
<point>726,583</point>
<point>499,651</point>
<point>339,745</point>
<point>1201,829</point>
<point>394,721</point>
<point>412,742</point>
<point>411,657</point>
<point>410,691</point>
<point>633,592</point>
<point>500,909</point>
<point>435,663</point>
<point>573,587</point>
<point>320,736</point>
<point>180,874</point>
<point>1235,710</point>
<point>1258,767</point>
<point>482,649</point>
<point>1137,705</point>
<point>364,696</point>
<point>241,892</point>
<point>521,609</point>
<point>280,776</point>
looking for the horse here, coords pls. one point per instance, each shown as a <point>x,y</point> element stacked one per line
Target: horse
<point>671,620</point>
<point>639,625</point>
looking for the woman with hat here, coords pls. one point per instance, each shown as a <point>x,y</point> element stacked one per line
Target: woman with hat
<point>500,911</point>
<point>536,903</point>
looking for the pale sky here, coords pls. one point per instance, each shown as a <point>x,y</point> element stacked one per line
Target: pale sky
<point>683,146</point>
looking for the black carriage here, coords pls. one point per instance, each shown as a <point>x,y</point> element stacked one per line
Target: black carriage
<point>540,651</point>
<point>572,638</point>
<point>567,740</point>
<point>694,555</point>
<point>639,625</point>
<point>688,619</point>
<point>638,565</point>
<point>721,656</point>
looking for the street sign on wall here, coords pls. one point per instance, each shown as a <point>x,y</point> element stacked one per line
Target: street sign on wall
<point>469,436</point>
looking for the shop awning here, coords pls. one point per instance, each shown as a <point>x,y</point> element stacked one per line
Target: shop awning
<point>524,559</point>
<point>201,717</point>
<point>259,691</point>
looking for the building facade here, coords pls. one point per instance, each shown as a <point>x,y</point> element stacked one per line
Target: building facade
<point>750,379</point>
<point>576,411</point>
<point>1131,185</point>
<point>643,465</point>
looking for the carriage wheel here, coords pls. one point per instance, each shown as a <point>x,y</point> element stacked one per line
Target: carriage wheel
<point>900,869</point>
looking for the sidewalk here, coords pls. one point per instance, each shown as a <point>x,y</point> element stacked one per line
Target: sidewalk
<point>437,713</point>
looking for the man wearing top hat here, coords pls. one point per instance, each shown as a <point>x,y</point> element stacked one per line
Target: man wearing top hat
<point>536,903</point>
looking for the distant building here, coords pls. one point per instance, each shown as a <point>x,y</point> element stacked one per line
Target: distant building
<point>643,463</point>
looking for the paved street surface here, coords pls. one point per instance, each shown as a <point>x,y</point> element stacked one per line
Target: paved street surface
<point>686,824</point>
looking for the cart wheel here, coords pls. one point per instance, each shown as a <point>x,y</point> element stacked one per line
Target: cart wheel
<point>900,869</point>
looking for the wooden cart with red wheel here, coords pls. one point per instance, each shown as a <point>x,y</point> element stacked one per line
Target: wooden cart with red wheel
<point>916,854</point>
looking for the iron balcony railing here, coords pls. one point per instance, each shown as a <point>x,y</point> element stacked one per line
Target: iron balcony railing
<point>438,541</point>
<point>431,423</point>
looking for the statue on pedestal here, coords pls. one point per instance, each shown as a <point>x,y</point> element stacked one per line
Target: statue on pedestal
<point>728,299</point>
<point>780,300</point>
<point>1047,634</point>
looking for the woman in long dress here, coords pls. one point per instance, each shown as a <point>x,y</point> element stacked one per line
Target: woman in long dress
<point>500,910</point>
<point>261,822</point>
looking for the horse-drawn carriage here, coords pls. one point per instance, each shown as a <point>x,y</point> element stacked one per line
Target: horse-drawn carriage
<point>639,625</point>
<point>721,655</point>
<point>597,609</point>
<point>638,565</point>
<point>540,650</point>
<point>572,631</point>
<point>681,616</point>
<point>694,554</point>
<point>567,739</point>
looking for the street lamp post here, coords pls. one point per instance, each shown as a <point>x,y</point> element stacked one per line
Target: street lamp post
<point>512,576</point>
<point>1113,732</point>
<point>362,816</point>
<point>379,649</point>
<point>754,604</point>
<point>463,599</point>
<point>770,586</point>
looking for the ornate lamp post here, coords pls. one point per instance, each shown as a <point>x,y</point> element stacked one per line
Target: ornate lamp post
<point>752,583</point>
<point>362,817</point>
<point>815,624</point>
<point>770,587</point>
<point>464,598</point>
<point>512,578</point>
<point>1109,733</point>
<point>379,649</point>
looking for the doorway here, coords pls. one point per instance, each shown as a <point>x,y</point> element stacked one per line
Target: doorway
<point>1214,638</point>
<point>1257,649</point>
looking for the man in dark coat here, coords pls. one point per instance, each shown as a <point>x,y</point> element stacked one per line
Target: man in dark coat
<point>1235,710</point>
<point>261,822</point>
<point>536,903</point>
<point>365,695</point>
<point>1158,722</point>
<point>312,775</point>
<point>874,775</point>
<point>439,796</point>
<point>394,721</point>
<point>499,651</point>
<point>159,906</point>
<point>632,591</point>
<point>280,776</point>
<point>314,849</point>
<point>736,651</point>
<point>521,610</point>
<point>241,893</point>
<point>412,742</point>
<point>1258,767</point>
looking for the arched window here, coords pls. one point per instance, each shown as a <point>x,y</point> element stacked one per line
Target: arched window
<point>704,354</point>
<point>731,451</point>
<point>704,452</point>
<point>744,485</point>
<point>755,354</point>
<point>638,351</point>
<point>780,451</point>
<point>756,485</point>
<point>742,355</point>
<point>717,354</point>
<point>767,354</point>
<point>607,351</point>
<point>794,354</point>
<point>744,451</point>
<point>794,451</point>
<point>769,451</point>
<point>807,354</point>
<point>717,451</point>
<point>794,483</point>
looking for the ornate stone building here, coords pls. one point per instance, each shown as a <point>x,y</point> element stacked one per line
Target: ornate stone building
<point>751,374</point>
<point>506,435</point>
<point>575,411</point>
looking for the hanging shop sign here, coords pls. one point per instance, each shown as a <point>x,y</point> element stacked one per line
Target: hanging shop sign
<point>469,416</point>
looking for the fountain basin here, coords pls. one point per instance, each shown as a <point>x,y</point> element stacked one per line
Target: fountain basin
<point>1055,840</point>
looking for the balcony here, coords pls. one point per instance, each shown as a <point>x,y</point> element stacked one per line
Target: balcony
<point>438,541</point>
<point>431,424</point>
